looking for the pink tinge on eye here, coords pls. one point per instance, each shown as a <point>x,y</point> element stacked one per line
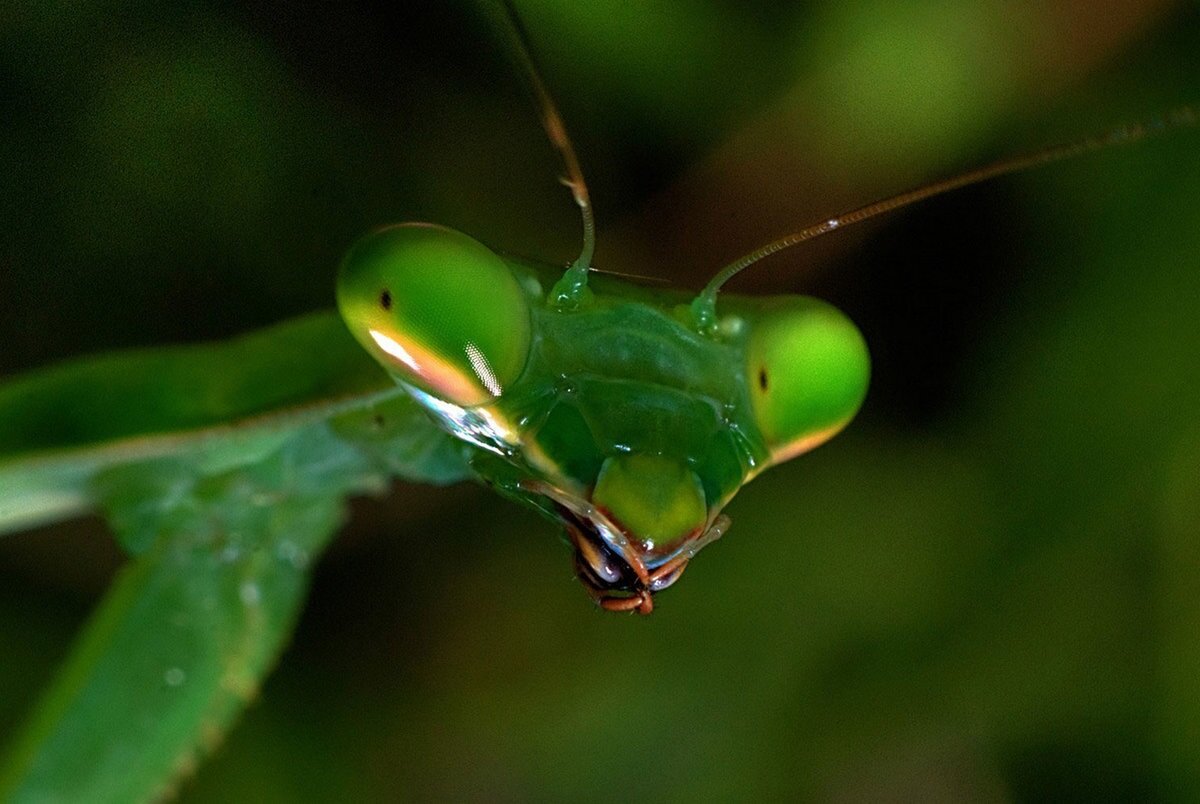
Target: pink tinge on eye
<point>394,349</point>
<point>438,374</point>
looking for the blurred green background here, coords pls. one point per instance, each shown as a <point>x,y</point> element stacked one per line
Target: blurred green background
<point>988,589</point>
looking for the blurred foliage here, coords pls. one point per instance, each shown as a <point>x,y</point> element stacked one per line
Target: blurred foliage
<point>985,590</point>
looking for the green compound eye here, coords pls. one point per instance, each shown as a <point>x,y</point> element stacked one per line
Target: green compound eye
<point>438,309</point>
<point>807,368</point>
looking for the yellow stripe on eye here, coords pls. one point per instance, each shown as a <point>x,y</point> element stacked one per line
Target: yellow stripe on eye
<point>394,349</point>
<point>438,374</point>
<point>799,446</point>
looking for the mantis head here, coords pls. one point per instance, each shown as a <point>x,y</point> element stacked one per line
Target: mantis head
<point>618,416</point>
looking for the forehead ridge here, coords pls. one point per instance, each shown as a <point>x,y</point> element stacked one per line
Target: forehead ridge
<point>624,375</point>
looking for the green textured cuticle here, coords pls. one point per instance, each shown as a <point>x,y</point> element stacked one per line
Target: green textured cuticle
<point>652,496</point>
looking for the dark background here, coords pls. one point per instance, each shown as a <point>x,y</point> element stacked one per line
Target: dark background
<point>989,588</point>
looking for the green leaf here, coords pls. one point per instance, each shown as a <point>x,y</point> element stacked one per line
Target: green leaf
<point>182,641</point>
<point>214,406</point>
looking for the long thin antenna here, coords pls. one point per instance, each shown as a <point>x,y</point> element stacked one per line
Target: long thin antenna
<point>704,307</point>
<point>576,278</point>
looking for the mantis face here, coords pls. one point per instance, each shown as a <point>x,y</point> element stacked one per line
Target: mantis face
<point>616,415</point>
<point>632,417</point>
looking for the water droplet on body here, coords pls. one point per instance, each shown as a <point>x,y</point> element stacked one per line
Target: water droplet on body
<point>250,594</point>
<point>293,554</point>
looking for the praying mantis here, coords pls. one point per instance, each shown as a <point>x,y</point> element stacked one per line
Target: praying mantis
<point>257,479</point>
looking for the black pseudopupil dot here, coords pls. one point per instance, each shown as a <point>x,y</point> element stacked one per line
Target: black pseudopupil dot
<point>762,379</point>
<point>385,300</point>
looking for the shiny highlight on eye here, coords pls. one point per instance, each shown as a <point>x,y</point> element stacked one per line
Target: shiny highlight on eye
<point>393,348</point>
<point>483,370</point>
